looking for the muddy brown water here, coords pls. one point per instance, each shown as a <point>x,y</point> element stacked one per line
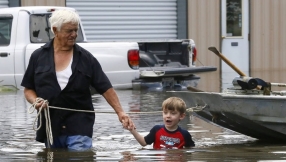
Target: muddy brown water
<point>112,143</point>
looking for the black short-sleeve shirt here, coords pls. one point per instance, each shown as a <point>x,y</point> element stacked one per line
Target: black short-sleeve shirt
<point>86,71</point>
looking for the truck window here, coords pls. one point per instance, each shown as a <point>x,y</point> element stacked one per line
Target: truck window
<point>40,29</point>
<point>5,29</point>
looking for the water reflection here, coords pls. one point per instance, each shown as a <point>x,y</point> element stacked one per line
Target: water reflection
<point>112,143</point>
<point>51,155</point>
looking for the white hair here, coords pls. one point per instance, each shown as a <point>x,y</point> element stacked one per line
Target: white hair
<point>59,17</point>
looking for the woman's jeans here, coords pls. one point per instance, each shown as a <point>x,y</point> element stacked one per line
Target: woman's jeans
<point>77,142</point>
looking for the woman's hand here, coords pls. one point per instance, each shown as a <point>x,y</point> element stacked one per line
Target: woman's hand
<point>127,123</point>
<point>40,104</point>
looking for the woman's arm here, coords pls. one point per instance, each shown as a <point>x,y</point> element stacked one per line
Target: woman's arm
<point>112,98</point>
<point>31,96</point>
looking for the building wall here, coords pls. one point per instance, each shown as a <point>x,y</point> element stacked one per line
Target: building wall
<point>43,3</point>
<point>268,40</point>
<point>4,3</point>
<point>125,20</point>
<point>204,27</point>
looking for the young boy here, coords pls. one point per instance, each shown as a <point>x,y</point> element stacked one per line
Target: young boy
<point>169,135</point>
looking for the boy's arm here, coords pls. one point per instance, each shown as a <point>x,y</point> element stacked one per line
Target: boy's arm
<point>188,140</point>
<point>138,137</point>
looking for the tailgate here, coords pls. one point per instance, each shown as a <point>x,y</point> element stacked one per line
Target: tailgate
<point>147,72</point>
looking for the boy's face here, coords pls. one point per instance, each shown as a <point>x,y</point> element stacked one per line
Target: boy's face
<point>172,118</point>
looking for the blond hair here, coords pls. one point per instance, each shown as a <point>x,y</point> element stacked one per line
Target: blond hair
<point>174,104</point>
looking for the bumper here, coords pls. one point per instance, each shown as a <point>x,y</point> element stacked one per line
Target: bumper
<point>165,83</point>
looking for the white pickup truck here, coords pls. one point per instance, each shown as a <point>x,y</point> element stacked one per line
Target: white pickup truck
<point>24,29</point>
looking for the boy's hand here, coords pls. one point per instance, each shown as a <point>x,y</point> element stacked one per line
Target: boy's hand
<point>127,123</point>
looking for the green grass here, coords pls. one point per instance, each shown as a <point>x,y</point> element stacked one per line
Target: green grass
<point>7,89</point>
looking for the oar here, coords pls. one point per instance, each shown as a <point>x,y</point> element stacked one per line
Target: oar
<point>193,89</point>
<point>214,50</point>
<point>278,84</point>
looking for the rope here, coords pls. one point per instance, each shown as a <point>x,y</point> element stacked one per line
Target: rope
<point>39,116</point>
<point>48,120</point>
<point>49,133</point>
<point>196,109</point>
<point>112,112</point>
<point>191,109</point>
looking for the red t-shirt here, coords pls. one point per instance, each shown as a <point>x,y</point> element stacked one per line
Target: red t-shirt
<point>162,138</point>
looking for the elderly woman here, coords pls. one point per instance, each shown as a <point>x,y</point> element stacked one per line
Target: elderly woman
<point>62,73</point>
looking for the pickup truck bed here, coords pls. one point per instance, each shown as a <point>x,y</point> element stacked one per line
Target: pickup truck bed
<point>168,64</point>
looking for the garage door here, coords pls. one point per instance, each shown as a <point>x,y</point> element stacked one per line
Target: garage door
<point>3,3</point>
<point>127,19</point>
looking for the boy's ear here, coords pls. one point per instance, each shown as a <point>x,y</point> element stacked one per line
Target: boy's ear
<point>182,116</point>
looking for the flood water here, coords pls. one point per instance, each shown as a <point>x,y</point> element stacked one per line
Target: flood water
<point>112,143</point>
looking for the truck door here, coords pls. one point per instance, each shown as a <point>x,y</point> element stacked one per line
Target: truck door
<point>6,51</point>
<point>235,42</point>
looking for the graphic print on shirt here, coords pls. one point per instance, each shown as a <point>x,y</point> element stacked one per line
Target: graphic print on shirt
<point>169,142</point>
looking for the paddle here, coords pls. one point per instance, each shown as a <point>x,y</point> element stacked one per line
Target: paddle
<point>248,83</point>
<point>214,50</point>
<point>190,88</point>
